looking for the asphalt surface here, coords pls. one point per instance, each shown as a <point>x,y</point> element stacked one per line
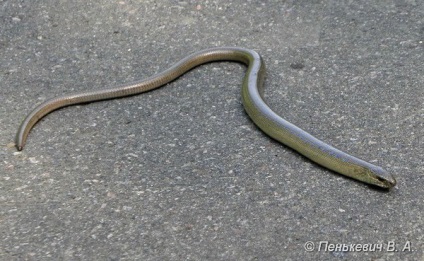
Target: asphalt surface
<point>181,173</point>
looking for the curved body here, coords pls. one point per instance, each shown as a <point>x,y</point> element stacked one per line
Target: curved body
<point>260,113</point>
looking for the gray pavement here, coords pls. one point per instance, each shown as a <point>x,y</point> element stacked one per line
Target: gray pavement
<point>181,173</point>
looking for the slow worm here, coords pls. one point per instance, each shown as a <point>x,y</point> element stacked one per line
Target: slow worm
<point>260,113</point>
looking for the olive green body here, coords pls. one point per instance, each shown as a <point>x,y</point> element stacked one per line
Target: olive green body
<point>260,113</point>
